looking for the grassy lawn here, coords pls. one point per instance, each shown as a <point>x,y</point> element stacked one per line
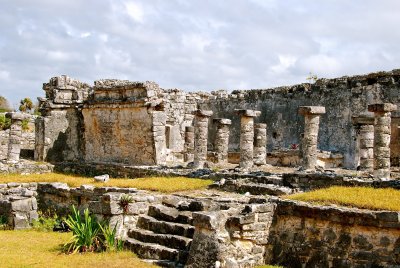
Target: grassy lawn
<point>360,197</point>
<point>161,184</point>
<point>42,249</point>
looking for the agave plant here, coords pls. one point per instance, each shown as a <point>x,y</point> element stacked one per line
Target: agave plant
<point>85,232</point>
<point>124,202</point>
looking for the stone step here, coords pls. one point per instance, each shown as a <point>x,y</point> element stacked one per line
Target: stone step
<point>276,180</point>
<point>151,251</point>
<point>261,189</point>
<point>168,240</point>
<point>184,204</point>
<point>163,227</point>
<point>164,213</point>
<point>164,263</point>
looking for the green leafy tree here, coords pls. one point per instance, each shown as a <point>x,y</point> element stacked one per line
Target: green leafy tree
<point>26,105</point>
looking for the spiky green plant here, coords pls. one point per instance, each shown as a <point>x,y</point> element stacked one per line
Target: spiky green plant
<point>124,202</point>
<point>85,232</point>
<point>110,240</point>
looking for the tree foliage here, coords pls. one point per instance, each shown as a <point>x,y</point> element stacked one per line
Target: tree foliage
<point>26,105</point>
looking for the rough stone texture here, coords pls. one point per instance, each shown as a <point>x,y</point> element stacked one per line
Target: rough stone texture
<point>4,138</point>
<point>247,137</point>
<point>317,236</point>
<point>382,133</point>
<point>201,137</point>
<point>27,140</point>
<point>18,204</point>
<point>346,97</point>
<point>260,144</point>
<point>15,136</point>
<point>343,97</point>
<point>310,136</point>
<point>221,142</point>
<point>364,125</point>
<point>123,123</point>
<point>59,133</point>
<point>25,167</point>
<point>189,144</point>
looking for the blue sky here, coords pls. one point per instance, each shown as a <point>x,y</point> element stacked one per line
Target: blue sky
<point>194,45</point>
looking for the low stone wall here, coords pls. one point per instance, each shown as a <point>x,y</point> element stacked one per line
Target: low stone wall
<point>102,202</point>
<point>25,167</point>
<point>254,231</point>
<point>304,235</point>
<point>18,204</point>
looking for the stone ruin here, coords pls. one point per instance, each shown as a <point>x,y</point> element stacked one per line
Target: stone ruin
<point>314,132</point>
<point>141,124</point>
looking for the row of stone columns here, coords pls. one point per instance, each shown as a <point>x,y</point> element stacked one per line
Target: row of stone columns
<point>374,138</point>
<point>250,151</point>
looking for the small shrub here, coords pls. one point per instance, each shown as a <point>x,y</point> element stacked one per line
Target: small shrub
<point>109,238</point>
<point>5,123</point>
<point>25,124</point>
<point>3,222</point>
<point>46,221</point>
<point>85,232</point>
<point>124,202</point>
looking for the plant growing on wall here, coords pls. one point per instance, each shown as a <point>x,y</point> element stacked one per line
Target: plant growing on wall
<point>124,202</point>
<point>5,123</point>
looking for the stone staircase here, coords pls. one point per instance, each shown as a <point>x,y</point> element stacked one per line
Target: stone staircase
<point>164,235</point>
<point>256,185</point>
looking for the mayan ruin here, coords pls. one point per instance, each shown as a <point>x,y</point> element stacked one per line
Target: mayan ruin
<point>199,134</point>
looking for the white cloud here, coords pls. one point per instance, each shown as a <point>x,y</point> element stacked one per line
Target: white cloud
<point>4,75</point>
<point>135,11</point>
<point>198,44</point>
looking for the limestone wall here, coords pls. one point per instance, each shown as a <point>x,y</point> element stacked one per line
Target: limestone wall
<point>315,236</point>
<point>121,135</point>
<point>343,98</point>
<point>59,132</point>
<point>18,204</point>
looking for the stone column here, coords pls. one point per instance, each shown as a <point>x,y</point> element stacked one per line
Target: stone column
<point>365,130</point>
<point>222,140</point>
<point>310,136</point>
<point>200,137</point>
<point>260,144</point>
<point>382,131</point>
<point>189,144</point>
<point>247,137</point>
<point>14,141</point>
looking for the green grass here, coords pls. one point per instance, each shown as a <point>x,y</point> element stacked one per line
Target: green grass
<point>359,197</point>
<point>160,184</point>
<point>42,249</point>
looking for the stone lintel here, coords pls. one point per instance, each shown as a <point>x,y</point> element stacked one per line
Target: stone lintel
<point>248,113</point>
<point>15,116</point>
<point>363,119</point>
<point>204,113</point>
<point>311,110</point>
<point>382,107</point>
<point>222,121</point>
<point>260,125</point>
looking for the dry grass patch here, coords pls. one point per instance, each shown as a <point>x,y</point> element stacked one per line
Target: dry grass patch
<point>161,184</point>
<point>359,197</point>
<point>42,249</point>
